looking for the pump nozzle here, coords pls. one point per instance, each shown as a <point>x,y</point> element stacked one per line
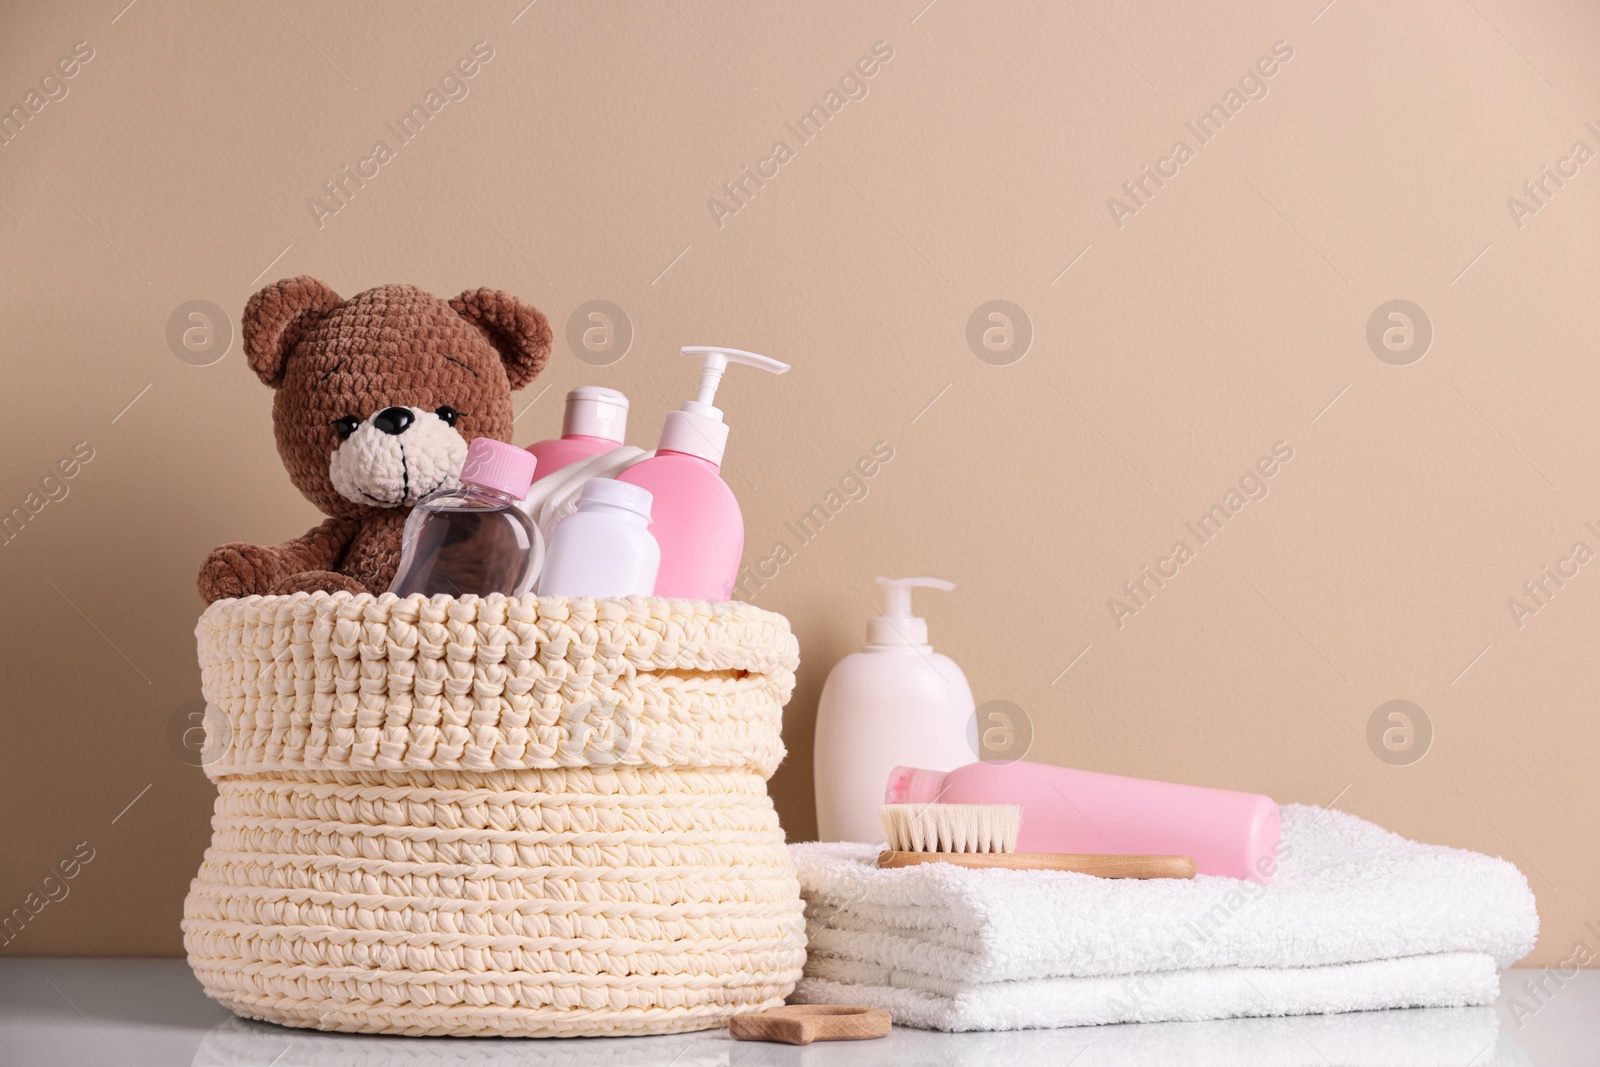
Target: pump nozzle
<point>696,428</point>
<point>897,626</point>
<point>714,362</point>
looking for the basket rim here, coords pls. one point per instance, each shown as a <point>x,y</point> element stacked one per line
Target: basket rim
<point>711,607</point>
<point>383,607</point>
<point>345,682</point>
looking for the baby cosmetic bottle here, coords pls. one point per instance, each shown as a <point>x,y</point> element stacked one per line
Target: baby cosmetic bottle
<point>474,540</point>
<point>604,548</point>
<point>894,697</point>
<point>595,421</point>
<point>694,515</point>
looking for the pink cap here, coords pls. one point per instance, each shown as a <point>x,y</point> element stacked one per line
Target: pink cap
<point>499,467</point>
<point>912,785</point>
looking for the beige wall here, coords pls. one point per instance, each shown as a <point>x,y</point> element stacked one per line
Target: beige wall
<point>1227,313</point>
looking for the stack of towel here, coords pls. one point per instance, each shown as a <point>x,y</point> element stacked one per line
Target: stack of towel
<point>1357,918</point>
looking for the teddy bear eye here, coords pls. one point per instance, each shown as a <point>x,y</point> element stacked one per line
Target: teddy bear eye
<point>448,414</point>
<point>346,426</point>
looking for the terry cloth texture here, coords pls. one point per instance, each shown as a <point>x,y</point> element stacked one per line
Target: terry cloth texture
<point>1356,918</point>
<point>494,816</point>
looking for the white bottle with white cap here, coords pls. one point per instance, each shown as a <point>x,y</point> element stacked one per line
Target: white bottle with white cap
<point>604,548</point>
<point>694,515</point>
<point>595,421</point>
<point>893,703</point>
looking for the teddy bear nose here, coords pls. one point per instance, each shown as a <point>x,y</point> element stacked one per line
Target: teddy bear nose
<point>393,420</point>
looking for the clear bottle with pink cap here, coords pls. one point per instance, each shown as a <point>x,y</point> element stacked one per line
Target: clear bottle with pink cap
<point>474,540</point>
<point>595,421</point>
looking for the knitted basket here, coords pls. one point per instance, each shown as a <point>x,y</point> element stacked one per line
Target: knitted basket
<point>494,816</point>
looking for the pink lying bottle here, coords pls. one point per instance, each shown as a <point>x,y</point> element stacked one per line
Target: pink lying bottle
<point>1064,810</point>
<point>594,421</point>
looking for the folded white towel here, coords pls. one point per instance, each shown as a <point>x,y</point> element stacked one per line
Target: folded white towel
<point>1345,891</point>
<point>1436,981</point>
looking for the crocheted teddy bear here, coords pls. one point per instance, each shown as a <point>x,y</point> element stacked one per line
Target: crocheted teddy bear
<point>376,398</point>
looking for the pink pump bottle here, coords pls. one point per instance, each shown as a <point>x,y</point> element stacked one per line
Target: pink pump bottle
<point>1064,810</point>
<point>595,421</point>
<point>695,517</point>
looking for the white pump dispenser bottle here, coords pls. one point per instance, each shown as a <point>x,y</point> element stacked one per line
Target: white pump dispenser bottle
<point>893,703</point>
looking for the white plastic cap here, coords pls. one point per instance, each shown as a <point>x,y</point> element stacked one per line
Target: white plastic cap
<point>897,626</point>
<point>635,498</point>
<point>696,428</point>
<point>595,411</point>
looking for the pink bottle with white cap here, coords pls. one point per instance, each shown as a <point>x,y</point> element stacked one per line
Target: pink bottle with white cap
<point>694,515</point>
<point>595,421</point>
<point>1066,810</point>
<point>474,540</point>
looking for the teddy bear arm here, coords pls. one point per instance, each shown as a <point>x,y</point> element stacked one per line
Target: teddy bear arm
<point>319,549</point>
<point>316,582</point>
<point>241,569</point>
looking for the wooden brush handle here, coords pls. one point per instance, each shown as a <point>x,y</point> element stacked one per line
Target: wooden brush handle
<point>1110,866</point>
<point>801,1024</point>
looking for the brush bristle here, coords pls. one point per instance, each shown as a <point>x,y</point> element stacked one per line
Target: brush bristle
<point>952,827</point>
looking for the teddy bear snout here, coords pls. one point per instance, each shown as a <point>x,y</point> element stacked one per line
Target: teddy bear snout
<point>397,456</point>
<point>393,420</point>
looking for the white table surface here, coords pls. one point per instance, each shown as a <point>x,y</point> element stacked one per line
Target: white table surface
<point>143,1012</point>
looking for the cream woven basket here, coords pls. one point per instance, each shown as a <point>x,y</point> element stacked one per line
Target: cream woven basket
<point>497,816</point>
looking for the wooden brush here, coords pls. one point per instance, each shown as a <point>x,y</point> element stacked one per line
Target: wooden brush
<point>985,835</point>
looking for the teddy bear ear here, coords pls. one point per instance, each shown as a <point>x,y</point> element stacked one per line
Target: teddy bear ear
<point>275,318</point>
<point>518,331</point>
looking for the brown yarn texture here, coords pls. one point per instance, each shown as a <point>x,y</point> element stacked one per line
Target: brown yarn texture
<point>326,358</point>
<point>513,817</point>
